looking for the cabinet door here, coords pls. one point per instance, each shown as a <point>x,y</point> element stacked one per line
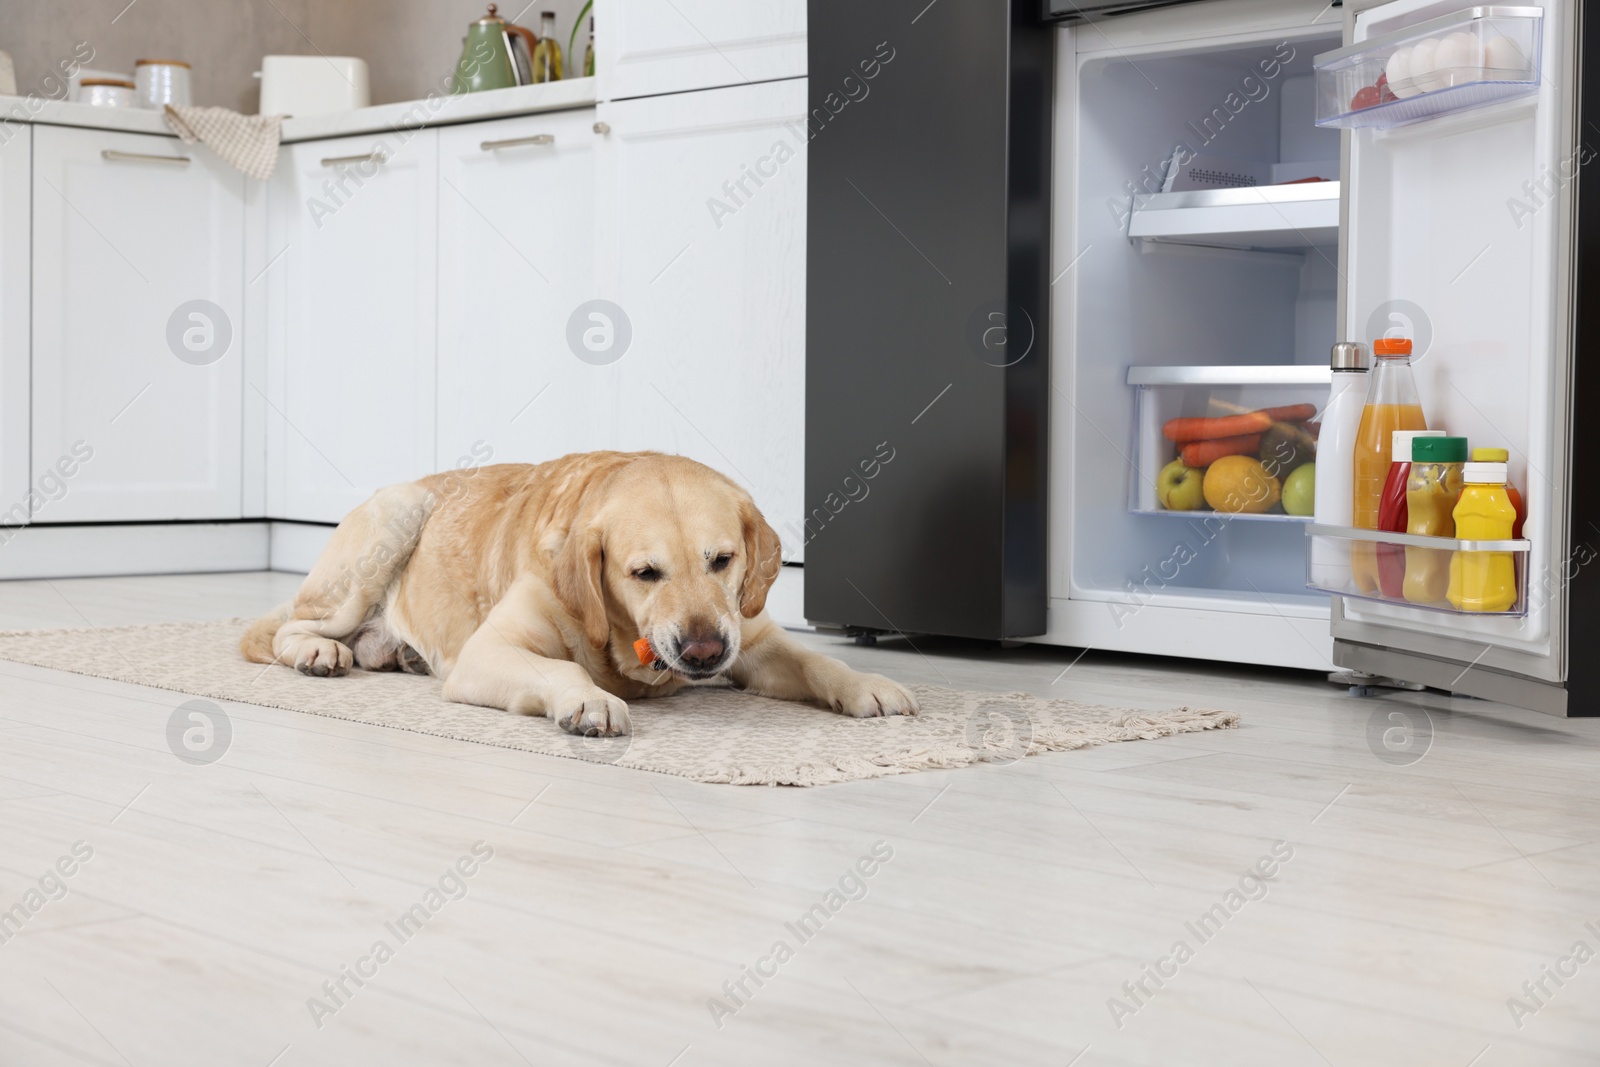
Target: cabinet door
<point>646,48</point>
<point>516,261</point>
<point>137,291</point>
<point>16,143</point>
<point>703,247</point>
<point>350,331</point>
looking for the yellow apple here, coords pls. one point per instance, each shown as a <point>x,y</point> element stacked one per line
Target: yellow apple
<point>1181,488</point>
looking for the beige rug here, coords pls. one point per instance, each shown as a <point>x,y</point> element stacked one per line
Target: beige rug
<point>710,734</point>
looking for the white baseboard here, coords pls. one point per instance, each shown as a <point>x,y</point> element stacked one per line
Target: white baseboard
<point>45,551</point>
<point>295,546</point>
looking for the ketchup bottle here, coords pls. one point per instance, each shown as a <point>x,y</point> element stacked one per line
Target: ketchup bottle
<point>1393,513</point>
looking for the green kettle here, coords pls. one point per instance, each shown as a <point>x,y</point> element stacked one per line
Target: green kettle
<point>489,57</point>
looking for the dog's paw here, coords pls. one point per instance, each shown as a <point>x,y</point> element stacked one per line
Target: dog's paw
<point>593,714</point>
<point>323,657</point>
<point>868,696</point>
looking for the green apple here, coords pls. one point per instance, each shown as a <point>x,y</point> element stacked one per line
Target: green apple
<point>1300,490</point>
<point>1181,488</point>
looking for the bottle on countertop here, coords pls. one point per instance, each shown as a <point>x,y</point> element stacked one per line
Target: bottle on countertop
<point>1393,513</point>
<point>1483,581</point>
<point>1391,404</point>
<point>1431,494</point>
<point>547,53</point>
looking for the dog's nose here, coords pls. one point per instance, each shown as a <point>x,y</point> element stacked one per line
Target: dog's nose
<point>701,651</point>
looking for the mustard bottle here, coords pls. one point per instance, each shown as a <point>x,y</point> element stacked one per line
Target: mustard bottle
<point>1483,581</point>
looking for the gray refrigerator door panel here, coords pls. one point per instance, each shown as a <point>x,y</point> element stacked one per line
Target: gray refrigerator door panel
<point>924,448</point>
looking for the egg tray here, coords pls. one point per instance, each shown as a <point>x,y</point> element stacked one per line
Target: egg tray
<point>1488,54</point>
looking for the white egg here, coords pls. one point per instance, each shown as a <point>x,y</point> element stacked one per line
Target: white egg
<point>1459,60</point>
<point>1424,61</point>
<point>1399,72</point>
<point>1501,54</point>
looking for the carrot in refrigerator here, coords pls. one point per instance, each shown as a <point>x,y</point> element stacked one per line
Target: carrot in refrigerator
<point>1392,404</point>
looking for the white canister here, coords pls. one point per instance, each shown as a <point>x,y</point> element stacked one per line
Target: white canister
<point>312,85</point>
<point>106,92</point>
<point>161,82</point>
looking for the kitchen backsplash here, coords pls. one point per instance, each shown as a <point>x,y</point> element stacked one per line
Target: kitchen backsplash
<point>410,46</point>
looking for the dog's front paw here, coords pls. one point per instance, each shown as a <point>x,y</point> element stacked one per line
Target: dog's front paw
<point>868,696</point>
<point>592,714</point>
<point>323,657</point>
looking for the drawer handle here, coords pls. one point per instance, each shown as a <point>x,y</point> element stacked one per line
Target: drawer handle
<point>516,142</point>
<point>602,127</point>
<point>374,156</point>
<point>114,156</point>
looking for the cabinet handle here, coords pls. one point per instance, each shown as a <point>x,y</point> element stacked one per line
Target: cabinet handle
<point>112,155</point>
<point>374,156</point>
<point>602,127</point>
<point>515,142</point>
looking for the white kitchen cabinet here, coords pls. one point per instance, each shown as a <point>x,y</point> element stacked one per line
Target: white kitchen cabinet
<point>516,259</point>
<point>351,273</point>
<point>16,143</point>
<point>647,47</point>
<point>702,244</point>
<point>137,296</point>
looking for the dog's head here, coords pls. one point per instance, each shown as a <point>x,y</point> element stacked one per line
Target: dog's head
<point>670,550</point>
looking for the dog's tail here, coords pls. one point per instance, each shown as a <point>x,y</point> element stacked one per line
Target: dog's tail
<point>257,641</point>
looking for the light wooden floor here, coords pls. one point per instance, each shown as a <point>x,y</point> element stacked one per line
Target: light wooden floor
<point>1018,901</point>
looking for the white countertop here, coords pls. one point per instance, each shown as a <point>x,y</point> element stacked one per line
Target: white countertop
<point>412,114</point>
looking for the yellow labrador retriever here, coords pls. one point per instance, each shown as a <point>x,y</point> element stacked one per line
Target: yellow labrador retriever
<point>526,587</point>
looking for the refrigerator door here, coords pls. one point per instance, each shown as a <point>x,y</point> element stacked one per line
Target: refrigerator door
<point>1458,234</point>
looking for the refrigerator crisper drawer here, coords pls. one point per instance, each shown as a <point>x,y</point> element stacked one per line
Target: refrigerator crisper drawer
<point>1415,565</point>
<point>1473,58</point>
<point>1250,487</point>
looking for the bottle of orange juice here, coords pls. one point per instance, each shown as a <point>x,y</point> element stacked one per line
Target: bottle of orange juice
<point>1392,404</point>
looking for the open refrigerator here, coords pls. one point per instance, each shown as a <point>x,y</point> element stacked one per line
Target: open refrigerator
<point>1221,277</point>
<point>1463,204</point>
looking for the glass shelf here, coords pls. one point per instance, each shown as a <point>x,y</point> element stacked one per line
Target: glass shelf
<point>1297,215</point>
<point>1473,58</point>
<point>1335,553</point>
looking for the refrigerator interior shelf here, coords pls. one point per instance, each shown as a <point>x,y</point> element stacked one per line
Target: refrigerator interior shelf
<point>1272,217</point>
<point>1212,519</point>
<point>1165,393</point>
<point>1335,553</point>
<point>1475,57</point>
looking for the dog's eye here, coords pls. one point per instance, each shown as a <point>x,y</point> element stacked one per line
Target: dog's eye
<point>647,574</point>
<point>720,564</point>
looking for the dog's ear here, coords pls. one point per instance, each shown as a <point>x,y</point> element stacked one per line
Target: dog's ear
<point>577,582</point>
<point>763,554</point>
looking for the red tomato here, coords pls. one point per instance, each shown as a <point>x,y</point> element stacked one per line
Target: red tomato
<point>1385,93</point>
<point>1368,97</point>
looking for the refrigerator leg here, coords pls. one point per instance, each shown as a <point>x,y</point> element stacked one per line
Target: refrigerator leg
<point>1363,684</point>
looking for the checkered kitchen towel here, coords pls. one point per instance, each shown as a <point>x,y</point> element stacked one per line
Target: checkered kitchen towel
<point>248,142</point>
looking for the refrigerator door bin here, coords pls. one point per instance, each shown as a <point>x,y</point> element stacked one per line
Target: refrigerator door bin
<point>1275,217</point>
<point>1473,58</point>
<point>1331,549</point>
<point>1165,393</point>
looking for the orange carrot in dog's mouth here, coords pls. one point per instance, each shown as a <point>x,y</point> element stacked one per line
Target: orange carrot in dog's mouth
<point>647,655</point>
